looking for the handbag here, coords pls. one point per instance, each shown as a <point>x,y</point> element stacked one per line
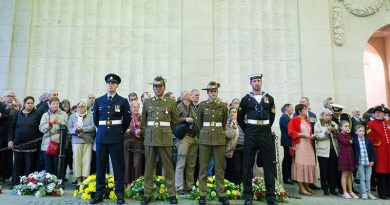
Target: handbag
<point>53,149</point>
<point>180,130</point>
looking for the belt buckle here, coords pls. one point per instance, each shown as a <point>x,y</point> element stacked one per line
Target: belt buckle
<point>260,122</point>
<point>212,124</point>
<point>108,122</point>
<point>156,123</point>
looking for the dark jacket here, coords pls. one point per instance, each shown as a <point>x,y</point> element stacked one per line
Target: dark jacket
<point>25,128</point>
<point>249,107</point>
<point>3,122</point>
<point>117,109</point>
<point>42,108</point>
<point>285,140</point>
<point>343,117</point>
<point>369,147</point>
<point>185,112</point>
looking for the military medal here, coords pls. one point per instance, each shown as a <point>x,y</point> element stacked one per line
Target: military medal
<point>166,110</point>
<point>117,108</point>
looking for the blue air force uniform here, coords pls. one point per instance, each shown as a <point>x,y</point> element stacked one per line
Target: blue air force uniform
<point>112,117</point>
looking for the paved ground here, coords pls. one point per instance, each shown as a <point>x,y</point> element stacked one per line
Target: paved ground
<point>7,198</point>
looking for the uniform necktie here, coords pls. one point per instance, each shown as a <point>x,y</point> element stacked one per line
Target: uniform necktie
<point>109,99</point>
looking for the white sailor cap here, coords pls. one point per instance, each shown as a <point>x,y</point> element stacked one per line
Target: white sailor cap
<point>255,76</point>
<point>336,108</point>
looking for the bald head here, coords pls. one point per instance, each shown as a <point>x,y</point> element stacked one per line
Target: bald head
<point>356,112</point>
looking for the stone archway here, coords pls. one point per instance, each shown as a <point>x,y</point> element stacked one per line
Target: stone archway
<point>376,61</point>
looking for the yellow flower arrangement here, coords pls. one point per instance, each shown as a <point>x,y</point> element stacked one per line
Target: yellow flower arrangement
<point>232,191</point>
<point>75,193</point>
<point>112,195</point>
<point>136,190</point>
<point>85,196</point>
<point>87,188</point>
<point>210,180</point>
<point>162,191</point>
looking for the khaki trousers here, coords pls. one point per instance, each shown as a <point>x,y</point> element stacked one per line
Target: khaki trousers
<point>150,165</point>
<point>187,150</point>
<point>82,155</point>
<point>205,154</point>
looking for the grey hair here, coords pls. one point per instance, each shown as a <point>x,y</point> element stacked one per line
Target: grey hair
<point>184,93</point>
<point>324,112</point>
<point>85,103</point>
<point>326,101</point>
<point>9,92</point>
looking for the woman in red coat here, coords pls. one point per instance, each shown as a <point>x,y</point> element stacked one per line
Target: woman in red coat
<point>303,169</point>
<point>378,131</point>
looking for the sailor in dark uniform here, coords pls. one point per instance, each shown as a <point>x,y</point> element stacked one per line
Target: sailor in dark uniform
<point>111,116</point>
<point>259,109</point>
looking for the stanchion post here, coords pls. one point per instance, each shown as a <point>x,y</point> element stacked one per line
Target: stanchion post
<point>62,154</point>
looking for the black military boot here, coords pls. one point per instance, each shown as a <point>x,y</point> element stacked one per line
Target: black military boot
<point>248,201</point>
<point>120,200</point>
<point>224,201</point>
<point>145,201</point>
<point>202,200</point>
<point>96,199</point>
<point>173,199</point>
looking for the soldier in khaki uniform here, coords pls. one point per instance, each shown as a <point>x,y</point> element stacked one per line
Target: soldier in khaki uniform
<point>159,118</point>
<point>212,118</point>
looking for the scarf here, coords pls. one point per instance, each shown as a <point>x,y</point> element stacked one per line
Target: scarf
<point>80,118</point>
<point>134,124</point>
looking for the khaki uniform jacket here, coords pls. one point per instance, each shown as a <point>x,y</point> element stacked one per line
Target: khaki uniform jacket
<point>156,111</point>
<point>212,112</point>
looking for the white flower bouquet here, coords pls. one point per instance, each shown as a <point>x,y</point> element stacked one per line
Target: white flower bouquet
<point>39,184</point>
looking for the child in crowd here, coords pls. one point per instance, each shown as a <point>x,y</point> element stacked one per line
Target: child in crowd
<point>364,160</point>
<point>346,159</point>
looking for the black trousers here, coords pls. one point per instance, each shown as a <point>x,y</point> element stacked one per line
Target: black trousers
<point>328,171</point>
<point>116,153</point>
<point>5,162</point>
<point>373,179</point>
<point>69,154</point>
<point>259,138</point>
<point>23,165</point>
<point>286,164</point>
<point>233,171</point>
<point>40,161</point>
<point>93,163</point>
<point>383,184</point>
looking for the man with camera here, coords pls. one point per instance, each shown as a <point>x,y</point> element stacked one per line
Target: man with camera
<point>187,145</point>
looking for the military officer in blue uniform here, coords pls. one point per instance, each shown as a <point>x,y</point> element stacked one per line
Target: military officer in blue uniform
<point>256,114</point>
<point>112,118</point>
